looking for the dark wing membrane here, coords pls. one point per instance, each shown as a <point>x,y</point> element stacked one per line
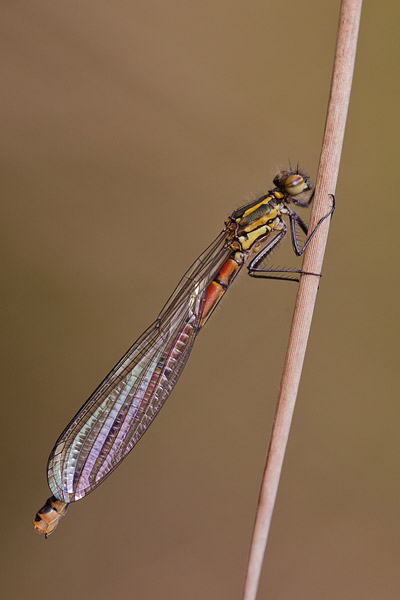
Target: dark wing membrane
<point>121,409</point>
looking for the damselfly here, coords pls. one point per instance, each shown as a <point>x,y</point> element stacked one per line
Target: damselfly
<point>125,404</point>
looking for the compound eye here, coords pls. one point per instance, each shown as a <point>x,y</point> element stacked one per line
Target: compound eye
<point>295,184</point>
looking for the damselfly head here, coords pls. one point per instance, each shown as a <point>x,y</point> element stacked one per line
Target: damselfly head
<point>292,183</point>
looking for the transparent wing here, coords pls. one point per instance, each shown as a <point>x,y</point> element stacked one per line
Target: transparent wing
<point>121,409</point>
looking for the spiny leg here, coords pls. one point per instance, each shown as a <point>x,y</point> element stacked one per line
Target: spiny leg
<point>294,218</point>
<point>304,203</point>
<point>255,271</point>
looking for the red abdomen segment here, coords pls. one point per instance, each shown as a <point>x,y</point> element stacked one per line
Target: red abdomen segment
<point>220,284</point>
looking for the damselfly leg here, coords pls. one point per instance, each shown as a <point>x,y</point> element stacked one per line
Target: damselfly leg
<point>302,203</point>
<point>294,218</point>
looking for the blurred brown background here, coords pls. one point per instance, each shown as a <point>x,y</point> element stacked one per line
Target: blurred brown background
<point>129,131</point>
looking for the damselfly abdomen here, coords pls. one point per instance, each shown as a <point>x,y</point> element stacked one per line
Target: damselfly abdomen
<point>121,409</point>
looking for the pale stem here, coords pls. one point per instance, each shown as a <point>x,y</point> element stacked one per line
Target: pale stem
<point>326,184</point>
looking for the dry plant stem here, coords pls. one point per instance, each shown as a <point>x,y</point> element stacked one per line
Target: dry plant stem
<point>326,184</point>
